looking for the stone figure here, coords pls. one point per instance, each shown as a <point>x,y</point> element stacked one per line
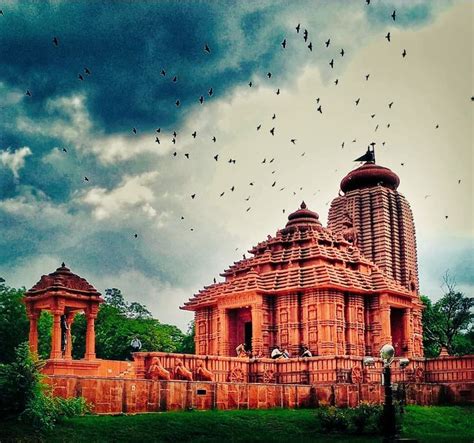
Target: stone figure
<point>64,329</point>
<point>156,371</point>
<point>349,232</point>
<point>203,372</point>
<point>182,371</point>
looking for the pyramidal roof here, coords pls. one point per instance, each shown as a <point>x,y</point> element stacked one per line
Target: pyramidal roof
<point>302,256</point>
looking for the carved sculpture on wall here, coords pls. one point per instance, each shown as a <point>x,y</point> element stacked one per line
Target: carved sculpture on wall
<point>419,374</point>
<point>349,232</point>
<point>236,375</point>
<point>356,374</point>
<point>268,376</point>
<point>203,372</point>
<point>181,371</point>
<point>156,371</point>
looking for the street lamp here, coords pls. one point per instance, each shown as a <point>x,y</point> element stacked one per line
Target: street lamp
<point>387,353</point>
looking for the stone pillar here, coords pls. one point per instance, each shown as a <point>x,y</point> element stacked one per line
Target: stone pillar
<point>257,321</point>
<point>33,316</point>
<point>56,336</point>
<point>90,336</point>
<point>351,324</point>
<point>386,333</point>
<point>69,321</point>
<point>407,344</point>
<point>224,332</point>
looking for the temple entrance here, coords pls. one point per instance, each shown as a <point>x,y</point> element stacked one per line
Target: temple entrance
<point>398,334</point>
<point>240,328</point>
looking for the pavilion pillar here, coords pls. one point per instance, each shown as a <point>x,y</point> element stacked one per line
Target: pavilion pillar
<point>224,332</point>
<point>257,321</point>
<point>33,333</point>
<point>56,336</point>
<point>69,321</point>
<point>407,343</point>
<point>90,336</point>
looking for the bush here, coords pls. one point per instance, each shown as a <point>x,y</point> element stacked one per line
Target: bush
<point>366,418</point>
<point>333,419</point>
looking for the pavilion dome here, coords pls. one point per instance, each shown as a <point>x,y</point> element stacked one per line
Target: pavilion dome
<point>369,175</point>
<point>62,280</point>
<point>303,216</point>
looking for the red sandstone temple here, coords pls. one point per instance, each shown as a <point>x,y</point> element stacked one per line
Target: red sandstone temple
<point>342,290</point>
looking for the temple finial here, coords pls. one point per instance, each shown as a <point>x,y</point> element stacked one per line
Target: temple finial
<point>303,205</point>
<point>369,156</point>
<point>63,265</point>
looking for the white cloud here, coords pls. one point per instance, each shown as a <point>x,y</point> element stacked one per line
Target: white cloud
<point>133,192</point>
<point>15,160</point>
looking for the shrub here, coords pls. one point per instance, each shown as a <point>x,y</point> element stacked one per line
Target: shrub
<point>333,419</point>
<point>366,418</point>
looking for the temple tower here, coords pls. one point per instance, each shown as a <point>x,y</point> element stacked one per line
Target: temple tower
<point>374,215</point>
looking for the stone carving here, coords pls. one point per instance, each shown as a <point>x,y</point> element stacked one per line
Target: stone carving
<point>236,375</point>
<point>203,372</point>
<point>349,232</point>
<point>419,374</point>
<point>356,374</point>
<point>268,376</point>
<point>156,371</point>
<point>181,371</point>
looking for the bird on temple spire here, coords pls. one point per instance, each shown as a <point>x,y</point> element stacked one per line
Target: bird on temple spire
<point>369,156</point>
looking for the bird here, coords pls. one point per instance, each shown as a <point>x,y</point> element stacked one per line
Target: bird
<point>404,53</point>
<point>272,160</point>
<point>342,146</point>
<point>210,92</point>
<point>293,140</point>
<point>157,140</point>
<point>177,103</point>
<point>207,49</point>
<point>221,194</point>
<point>388,36</point>
<point>394,14</point>
<point>191,229</point>
<point>390,105</point>
<point>247,199</point>
<point>215,281</point>
<point>232,161</point>
<point>193,196</point>
<point>298,27</point>
<point>328,42</point>
<point>283,44</point>
<point>158,130</point>
<point>303,154</point>
<point>367,77</point>
<point>274,117</point>
<point>134,130</point>
<point>232,189</point>
<point>175,79</point>
<point>1,11</point>
<point>342,52</point>
<point>28,93</point>
<point>269,74</point>
<point>272,131</point>
<point>331,63</point>
<point>55,41</point>
<point>87,71</point>
<point>283,211</point>
<point>86,179</point>
<point>427,195</point>
<point>182,218</point>
<point>251,184</point>
<point>446,217</point>
<point>459,182</point>
<point>173,140</point>
<point>135,235</point>
<point>305,35</point>
<point>214,139</point>
<point>175,154</point>
<point>357,101</point>
<point>201,99</point>
<point>320,109</point>
<point>336,81</point>
<point>367,1</point>
<point>187,155</point>
<point>250,84</point>
<point>163,72</point>
<point>278,91</point>
<point>377,127</point>
<point>174,134</point>
<point>248,209</point>
<point>264,160</point>
<point>402,164</point>
<point>372,115</point>
<point>64,150</point>
<point>258,127</point>
<point>310,46</point>
<point>317,100</point>
<point>273,184</point>
<point>216,157</point>
<point>80,77</point>
<point>437,126</point>
<point>194,134</point>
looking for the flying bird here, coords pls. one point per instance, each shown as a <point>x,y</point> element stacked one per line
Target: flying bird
<point>305,35</point>
<point>201,99</point>
<point>214,139</point>
<point>317,100</point>
<point>328,42</point>
<point>194,134</point>
<point>367,77</point>
<point>320,109</point>
<point>298,28</point>
<point>174,134</point>
<point>273,184</point>
<point>293,140</point>
<point>272,131</point>
<point>177,103</point>
<point>64,150</point>
<point>207,49</point>
<point>55,41</point>
<point>310,46</point>
<point>342,52</point>
<point>157,140</point>
<point>158,130</point>
<point>210,92</point>
<point>394,14</point>
<point>404,53</point>
<point>135,235</point>
<point>283,44</point>
<point>372,115</point>
<point>216,157</point>
<point>336,81</point>
<point>80,77</point>
<point>221,194</point>
<point>258,127</point>
<point>388,36</point>
<point>232,189</point>
<point>187,155</point>
<point>390,105</point>
<point>175,154</point>
<point>357,101</point>
<point>163,72</point>
<point>175,79</point>
<point>250,84</point>
<point>134,130</point>
<point>86,179</point>
<point>28,93</point>
<point>193,196</point>
<point>269,74</point>
<point>87,71</point>
<point>248,209</point>
<point>331,63</point>
<point>274,117</point>
<point>278,91</point>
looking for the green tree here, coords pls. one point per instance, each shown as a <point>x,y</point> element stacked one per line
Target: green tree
<point>448,322</point>
<point>187,344</point>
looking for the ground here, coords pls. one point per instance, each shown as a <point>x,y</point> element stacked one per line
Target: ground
<point>427,424</point>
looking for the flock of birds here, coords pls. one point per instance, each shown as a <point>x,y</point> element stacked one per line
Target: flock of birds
<point>217,157</point>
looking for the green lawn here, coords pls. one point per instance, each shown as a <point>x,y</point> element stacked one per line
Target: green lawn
<point>427,424</point>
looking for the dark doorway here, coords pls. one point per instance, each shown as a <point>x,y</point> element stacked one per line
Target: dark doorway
<point>397,330</point>
<point>248,335</point>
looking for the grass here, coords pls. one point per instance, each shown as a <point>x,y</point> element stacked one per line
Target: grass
<point>427,424</point>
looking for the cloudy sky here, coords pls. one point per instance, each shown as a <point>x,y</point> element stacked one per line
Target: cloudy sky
<point>104,77</point>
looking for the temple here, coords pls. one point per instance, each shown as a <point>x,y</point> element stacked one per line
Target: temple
<point>342,290</point>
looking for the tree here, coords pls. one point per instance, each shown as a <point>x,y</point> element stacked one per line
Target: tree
<point>448,322</point>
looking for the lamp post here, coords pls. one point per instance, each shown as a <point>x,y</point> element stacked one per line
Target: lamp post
<point>387,354</point>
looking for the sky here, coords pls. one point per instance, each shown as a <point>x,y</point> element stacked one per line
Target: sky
<point>87,89</point>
